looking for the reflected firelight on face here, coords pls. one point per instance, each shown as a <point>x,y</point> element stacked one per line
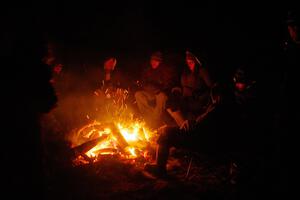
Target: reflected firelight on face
<point>240,86</point>
<point>154,63</point>
<point>191,64</point>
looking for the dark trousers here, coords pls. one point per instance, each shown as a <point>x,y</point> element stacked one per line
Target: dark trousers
<point>201,138</point>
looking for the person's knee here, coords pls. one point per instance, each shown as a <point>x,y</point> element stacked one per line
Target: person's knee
<point>138,95</point>
<point>162,97</point>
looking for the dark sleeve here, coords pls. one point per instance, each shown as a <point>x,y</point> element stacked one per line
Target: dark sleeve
<point>117,79</point>
<point>206,77</point>
<point>144,76</point>
<point>148,78</point>
<point>171,78</point>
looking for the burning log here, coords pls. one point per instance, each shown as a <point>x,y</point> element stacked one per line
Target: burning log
<point>106,151</point>
<point>85,147</point>
<point>90,160</point>
<point>119,137</point>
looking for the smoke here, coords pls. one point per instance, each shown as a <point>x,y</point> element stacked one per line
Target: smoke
<point>76,85</point>
<point>81,100</point>
<point>77,102</point>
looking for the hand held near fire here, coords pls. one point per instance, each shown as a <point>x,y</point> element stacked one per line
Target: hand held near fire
<point>182,123</point>
<point>185,126</point>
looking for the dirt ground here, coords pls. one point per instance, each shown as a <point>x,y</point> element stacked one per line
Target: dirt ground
<point>190,176</point>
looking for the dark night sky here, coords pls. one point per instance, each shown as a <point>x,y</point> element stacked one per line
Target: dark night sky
<point>166,24</point>
<point>223,31</point>
<point>226,34</point>
<point>142,24</point>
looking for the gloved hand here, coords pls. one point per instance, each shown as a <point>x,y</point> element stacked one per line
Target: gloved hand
<point>185,126</point>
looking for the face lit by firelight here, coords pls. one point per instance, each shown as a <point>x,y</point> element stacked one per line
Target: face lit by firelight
<point>154,63</point>
<point>191,64</point>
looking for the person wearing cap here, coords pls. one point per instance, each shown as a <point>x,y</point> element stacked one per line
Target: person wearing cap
<point>156,81</point>
<point>196,84</point>
<point>195,104</point>
<point>196,88</point>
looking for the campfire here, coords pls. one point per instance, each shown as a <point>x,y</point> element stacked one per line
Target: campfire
<point>122,135</point>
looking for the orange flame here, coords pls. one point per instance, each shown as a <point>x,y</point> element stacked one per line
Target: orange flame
<point>134,131</point>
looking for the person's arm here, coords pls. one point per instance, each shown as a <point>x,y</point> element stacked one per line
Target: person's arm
<point>168,77</point>
<point>215,97</point>
<point>181,122</point>
<point>206,77</point>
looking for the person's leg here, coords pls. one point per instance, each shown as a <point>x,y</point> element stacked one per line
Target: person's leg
<point>170,136</point>
<point>160,165</point>
<point>142,99</point>
<point>161,99</point>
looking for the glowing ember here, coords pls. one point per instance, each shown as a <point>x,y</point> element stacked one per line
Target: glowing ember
<point>127,137</point>
<point>136,136</point>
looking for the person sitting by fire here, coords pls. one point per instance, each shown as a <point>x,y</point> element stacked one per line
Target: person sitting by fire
<point>156,82</point>
<point>194,94</point>
<point>244,88</point>
<point>189,107</point>
<point>111,76</point>
<point>106,82</point>
<point>51,59</point>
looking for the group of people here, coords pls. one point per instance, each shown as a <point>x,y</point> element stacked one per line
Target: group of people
<point>190,96</point>
<point>163,90</point>
<point>171,98</point>
<point>185,98</point>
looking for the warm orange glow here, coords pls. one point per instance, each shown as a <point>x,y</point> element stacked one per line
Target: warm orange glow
<point>135,134</point>
<point>102,145</point>
<point>128,137</point>
<point>131,150</point>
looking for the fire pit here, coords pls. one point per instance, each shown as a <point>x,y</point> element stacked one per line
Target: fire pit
<point>121,136</point>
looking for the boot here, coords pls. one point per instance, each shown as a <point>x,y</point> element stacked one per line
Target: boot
<point>162,155</point>
<point>160,168</point>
